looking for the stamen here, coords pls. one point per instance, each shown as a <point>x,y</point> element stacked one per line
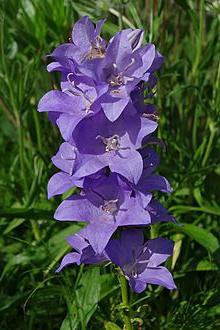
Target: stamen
<point>130,270</point>
<point>79,92</point>
<point>151,116</point>
<point>112,143</point>
<point>96,50</point>
<point>117,79</point>
<point>110,207</point>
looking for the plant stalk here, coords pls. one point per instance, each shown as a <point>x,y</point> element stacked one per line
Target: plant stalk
<point>124,295</point>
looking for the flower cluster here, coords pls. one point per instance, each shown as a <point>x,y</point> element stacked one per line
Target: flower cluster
<point>107,126</point>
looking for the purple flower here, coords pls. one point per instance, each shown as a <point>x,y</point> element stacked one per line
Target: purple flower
<point>158,213</point>
<point>102,143</point>
<point>83,254</point>
<point>78,99</point>
<point>149,182</point>
<point>107,203</point>
<point>120,66</point>
<point>122,69</point>
<point>141,261</point>
<point>86,42</point>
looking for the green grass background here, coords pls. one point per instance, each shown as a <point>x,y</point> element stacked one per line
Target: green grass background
<point>188,100</point>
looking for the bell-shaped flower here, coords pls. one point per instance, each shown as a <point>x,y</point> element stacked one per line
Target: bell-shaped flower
<point>83,253</point>
<point>78,99</point>
<point>141,261</point>
<point>101,143</point>
<point>106,204</point>
<point>86,42</point>
<point>122,69</point>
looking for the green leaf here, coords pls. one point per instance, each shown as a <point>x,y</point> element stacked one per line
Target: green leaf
<point>206,265</point>
<point>91,289</point>
<point>200,235</point>
<point>12,225</point>
<point>58,246</point>
<point>111,326</point>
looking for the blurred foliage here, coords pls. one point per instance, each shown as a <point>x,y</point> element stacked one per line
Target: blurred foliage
<point>188,100</point>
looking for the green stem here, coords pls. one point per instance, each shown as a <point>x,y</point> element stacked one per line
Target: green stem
<point>38,132</point>
<point>151,20</point>
<point>120,20</point>
<point>210,142</point>
<point>194,132</point>
<point>199,39</point>
<point>124,295</point>
<point>35,229</point>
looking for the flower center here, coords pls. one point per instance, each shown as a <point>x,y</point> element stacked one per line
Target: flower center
<point>97,50</point>
<point>116,80</point>
<point>112,143</point>
<point>110,207</point>
<point>151,116</point>
<point>130,270</point>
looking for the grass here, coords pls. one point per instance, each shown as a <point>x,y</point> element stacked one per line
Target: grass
<point>188,100</point>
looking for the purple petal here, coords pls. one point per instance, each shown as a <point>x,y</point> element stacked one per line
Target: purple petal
<point>89,164</point>
<point>119,50</point>
<point>77,242</point>
<point>158,213</point>
<point>59,183</point>
<point>56,101</point>
<point>135,38</point>
<point>76,208</point>
<point>63,51</point>
<point>161,249</point>
<point>113,106</point>
<point>137,285</point>
<point>65,158</point>
<point>83,32</point>
<point>129,164</point>
<point>99,234</point>
<point>159,276</point>
<point>68,259</point>
<point>120,251</point>
<point>55,66</point>
<point>98,26</point>
<point>144,58</point>
<point>67,124</point>
<point>133,212</point>
<point>154,182</point>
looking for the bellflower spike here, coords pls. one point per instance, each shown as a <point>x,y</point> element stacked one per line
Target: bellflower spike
<point>104,115</point>
<point>141,261</point>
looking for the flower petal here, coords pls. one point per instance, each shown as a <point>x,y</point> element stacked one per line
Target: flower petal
<point>137,285</point>
<point>129,164</point>
<point>159,276</point>
<point>76,208</point>
<point>99,234</point>
<point>68,259</point>
<point>59,183</point>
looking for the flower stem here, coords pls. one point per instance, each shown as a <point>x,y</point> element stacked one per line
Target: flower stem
<point>124,295</point>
